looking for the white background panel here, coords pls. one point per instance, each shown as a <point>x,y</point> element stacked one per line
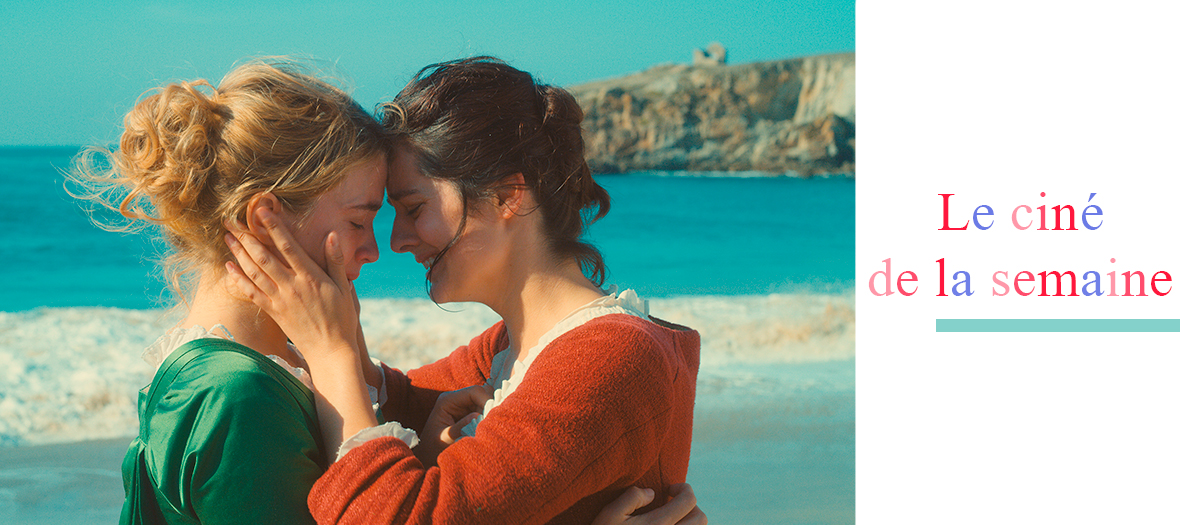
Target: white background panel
<point>997,102</point>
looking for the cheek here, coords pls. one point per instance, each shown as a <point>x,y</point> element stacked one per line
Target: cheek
<point>358,241</point>
<point>478,248</point>
<point>434,231</point>
<point>312,242</point>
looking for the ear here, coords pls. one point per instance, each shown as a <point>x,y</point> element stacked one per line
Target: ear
<point>262,200</point>
<point>510,195</point>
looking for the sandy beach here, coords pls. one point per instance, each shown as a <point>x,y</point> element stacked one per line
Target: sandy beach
<point>771,445</point>
<point>774,422</point>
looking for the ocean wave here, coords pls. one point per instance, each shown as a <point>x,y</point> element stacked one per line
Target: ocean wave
<point>72,374</point>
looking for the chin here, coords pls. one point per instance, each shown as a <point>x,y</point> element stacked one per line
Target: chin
<point>441,294</point>
<point>440,297</point>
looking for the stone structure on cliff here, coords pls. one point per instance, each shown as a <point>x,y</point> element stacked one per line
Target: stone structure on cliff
<point>714,55</point>
<point>787,116</point>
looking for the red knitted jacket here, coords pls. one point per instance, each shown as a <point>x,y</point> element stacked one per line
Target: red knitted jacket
<point>605,406</point>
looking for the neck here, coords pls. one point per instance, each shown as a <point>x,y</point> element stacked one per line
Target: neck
<point>541,297</point>
<point>215,304</point>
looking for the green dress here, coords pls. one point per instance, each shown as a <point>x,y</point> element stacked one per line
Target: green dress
<point>225,436</point>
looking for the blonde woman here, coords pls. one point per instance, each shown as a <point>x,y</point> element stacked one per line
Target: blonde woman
<point>228,427</point>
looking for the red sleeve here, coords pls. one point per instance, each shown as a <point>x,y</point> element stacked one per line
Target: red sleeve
<point>411,396</point>
<point>589,416</point>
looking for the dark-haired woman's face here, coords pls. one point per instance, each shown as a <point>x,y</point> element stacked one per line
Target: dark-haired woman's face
<point>429,213</point>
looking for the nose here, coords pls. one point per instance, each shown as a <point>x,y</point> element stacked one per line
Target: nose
<point>368,252</point>
<point>404,237</point>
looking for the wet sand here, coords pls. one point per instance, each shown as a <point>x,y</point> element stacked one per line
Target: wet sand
<point>68,483</point>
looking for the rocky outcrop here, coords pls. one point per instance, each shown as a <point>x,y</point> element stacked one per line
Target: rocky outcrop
<point>794,116</point>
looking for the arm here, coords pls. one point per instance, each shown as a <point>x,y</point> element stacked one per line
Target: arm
<point>579,430</point>
<point>374,375</point>
<point>316,311</point>
<point>411,396</point>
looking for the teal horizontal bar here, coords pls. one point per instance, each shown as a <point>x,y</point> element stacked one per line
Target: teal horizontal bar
<point>1057,325</point>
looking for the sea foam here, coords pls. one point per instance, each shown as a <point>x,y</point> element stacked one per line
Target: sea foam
<point>72,374</point>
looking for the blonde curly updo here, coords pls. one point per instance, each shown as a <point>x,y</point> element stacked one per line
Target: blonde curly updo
<point>191,156</point>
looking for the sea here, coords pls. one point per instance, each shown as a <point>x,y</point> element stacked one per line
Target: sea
<point>761,265</point>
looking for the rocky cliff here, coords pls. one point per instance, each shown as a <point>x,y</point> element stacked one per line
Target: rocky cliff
<point>794,116</point>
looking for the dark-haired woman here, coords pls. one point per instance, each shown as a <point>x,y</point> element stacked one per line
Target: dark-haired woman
<point>589,394</point>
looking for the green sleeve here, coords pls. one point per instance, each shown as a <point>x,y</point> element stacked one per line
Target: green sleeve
<point>242,449</point>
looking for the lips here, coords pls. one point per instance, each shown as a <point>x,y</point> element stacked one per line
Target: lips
<point>426,262</point>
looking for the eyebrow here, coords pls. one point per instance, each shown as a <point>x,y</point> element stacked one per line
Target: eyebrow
<point>401,194</point>
<point>367,206</point>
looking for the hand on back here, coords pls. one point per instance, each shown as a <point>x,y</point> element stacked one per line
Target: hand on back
<point>680,510</point>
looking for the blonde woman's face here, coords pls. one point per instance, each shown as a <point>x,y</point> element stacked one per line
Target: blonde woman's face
<point>349,210</point>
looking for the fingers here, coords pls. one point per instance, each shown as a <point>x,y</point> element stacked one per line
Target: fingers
<point>480,394</point>
<point>634,499</point>
<point>288,247</point>
<point>461,402</point>
<point>682,503</point>
<point>695,517</point>
<point>676,511</point>
<point>682,491</point>
<point>452,433</point>
<point>619,511</point>
<point>247,253</point>
<point>245,286</point>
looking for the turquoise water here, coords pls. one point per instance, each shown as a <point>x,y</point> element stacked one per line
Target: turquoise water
<point>666,235</point>
<point>750,262</point>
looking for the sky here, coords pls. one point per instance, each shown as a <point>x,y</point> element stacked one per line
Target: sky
<point>71,70</point>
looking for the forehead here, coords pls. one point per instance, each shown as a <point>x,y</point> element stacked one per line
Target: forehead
<point>404,176</point>
<point>362,183</point>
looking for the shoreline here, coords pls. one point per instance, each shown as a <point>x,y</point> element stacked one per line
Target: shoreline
<point>840,289</point>
<point>779,448</point>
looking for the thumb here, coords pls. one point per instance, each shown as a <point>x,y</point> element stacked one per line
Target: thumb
<point>481,394</point>
<point>334,256</point>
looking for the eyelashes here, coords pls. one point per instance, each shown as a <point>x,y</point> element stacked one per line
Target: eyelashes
<point>414,211</point>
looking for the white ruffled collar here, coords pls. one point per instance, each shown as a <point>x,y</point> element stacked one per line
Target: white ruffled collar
<point>614,302</point>
<point>627,300</point>
<point>158,352</point>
